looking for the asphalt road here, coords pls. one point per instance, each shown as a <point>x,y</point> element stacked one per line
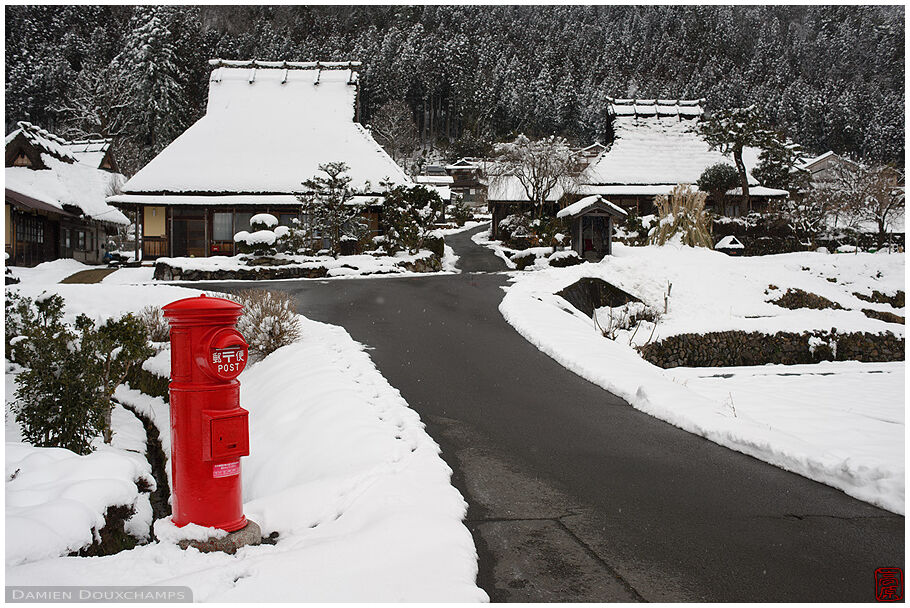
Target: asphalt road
<point>576,496</point>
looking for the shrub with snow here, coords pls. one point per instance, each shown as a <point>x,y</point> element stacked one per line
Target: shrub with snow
<point>268,322</point>
<point>264,238</point>
<point>155,324</point>
<point>460,212</point>
<point>333,210</point>
<point>517,225</point>
<point>266,220</point>
<point>409,215</point>
<point>63,398</point>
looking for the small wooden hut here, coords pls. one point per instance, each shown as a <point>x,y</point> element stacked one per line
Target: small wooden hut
<point>592,226</point>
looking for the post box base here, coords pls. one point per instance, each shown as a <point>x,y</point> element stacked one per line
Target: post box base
<point>250,534</point>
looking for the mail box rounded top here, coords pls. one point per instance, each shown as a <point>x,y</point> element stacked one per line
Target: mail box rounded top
<point>226,354</point>
<point>202,310</point>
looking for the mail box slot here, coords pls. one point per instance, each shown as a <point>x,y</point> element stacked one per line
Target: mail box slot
<point>228,434</point>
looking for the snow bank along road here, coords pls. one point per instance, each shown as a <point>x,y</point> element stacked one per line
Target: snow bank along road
<point>574,495</point>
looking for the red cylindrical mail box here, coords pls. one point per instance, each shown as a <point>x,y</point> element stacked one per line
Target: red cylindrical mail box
<point>209,429</point>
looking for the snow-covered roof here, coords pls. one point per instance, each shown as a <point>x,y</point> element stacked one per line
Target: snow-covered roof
<point>588,203</point>
<point>508,188</point>
<point>463,163</point>
<point>816,159</point>
<point>678,108</point>
<point>658,150</point>
<point>267,129</point>
<point>276,200</point>
<point>43,140</point>
<point>436,180</point>
<point>283,65</point>
<point>89,151</point>
<point>759,191</point>
<point>72,184</point>
<point>444,192</point>
<point>729,242</point>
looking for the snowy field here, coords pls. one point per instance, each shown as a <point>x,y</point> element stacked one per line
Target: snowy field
<point>49,272</point>
<point>844,428</point>
<point>340,468</point>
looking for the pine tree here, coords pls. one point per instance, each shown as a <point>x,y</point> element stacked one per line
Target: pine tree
<point>329,202</point>
<point>148,69</point>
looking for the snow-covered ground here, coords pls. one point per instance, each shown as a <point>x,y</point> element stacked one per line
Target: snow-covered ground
<point>340,467</point>
<point>130,276</point>
<point>860,450</point>
<point>49,272</point>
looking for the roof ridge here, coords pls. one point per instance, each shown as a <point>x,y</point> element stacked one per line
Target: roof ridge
<point>631,101</point>
<point>284,65</point>
<point>101,140</point>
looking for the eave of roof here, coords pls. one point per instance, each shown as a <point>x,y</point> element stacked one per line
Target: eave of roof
<point>29,202</point>
<point>223,200</point>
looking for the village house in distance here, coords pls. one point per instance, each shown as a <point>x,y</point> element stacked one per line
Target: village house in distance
<point>655,147</point>
<point>55,197</point>
<point>267,128</point>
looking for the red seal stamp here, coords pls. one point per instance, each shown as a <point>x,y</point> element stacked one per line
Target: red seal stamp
<point>889,584</point>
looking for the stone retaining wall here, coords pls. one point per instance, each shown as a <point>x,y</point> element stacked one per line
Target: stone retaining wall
<point>167,272</point>
<point>767,234</point>
<point>733,348</point>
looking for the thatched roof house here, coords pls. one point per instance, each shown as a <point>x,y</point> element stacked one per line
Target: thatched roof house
<point>657,146</point>
<point>267,128</point>
<point>55,199</point>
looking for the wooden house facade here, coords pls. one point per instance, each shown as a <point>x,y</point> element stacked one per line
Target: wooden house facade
<point>55,200</point>
<point>268,127</point>
<point>468,182</point>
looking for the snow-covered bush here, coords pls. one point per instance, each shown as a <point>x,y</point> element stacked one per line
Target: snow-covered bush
<point>268,322</point>
<point>562,259</point>
<point>627,321</point>
<point>63,398</point>
<point>633,230</point>
<point>460,212</point>
<point>265,238</point>
<point>155,324</point>
<point>409,215</point>
<point>717,179</point>
<point>520,231</point>
<point>516,225</point>
<point>682,218</point>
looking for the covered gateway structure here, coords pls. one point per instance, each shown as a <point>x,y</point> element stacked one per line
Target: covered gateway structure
<point>267,128</point>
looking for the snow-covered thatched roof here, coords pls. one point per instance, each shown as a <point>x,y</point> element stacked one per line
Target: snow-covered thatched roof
<point>61,181</point>
<point>43,141</point>
<point>678,108</point>
<point>89,151</point>
<point>508,188</point>
<point>657,144</point>
<point>267,128</point>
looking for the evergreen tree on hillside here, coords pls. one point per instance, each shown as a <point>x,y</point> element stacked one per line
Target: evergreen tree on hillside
<point>148,69</point>
<point>831,77</point>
